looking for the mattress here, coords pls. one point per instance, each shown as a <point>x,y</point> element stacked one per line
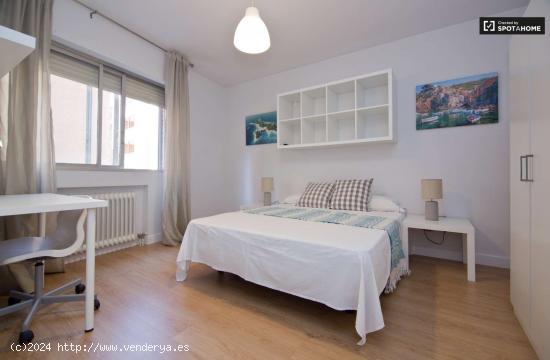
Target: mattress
<point>343,267</point>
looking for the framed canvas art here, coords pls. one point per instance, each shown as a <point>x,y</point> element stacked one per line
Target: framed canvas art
<point>261,128</point>
<point>471,100</point>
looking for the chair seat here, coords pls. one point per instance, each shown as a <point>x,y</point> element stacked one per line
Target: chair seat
<point>30,247</point>
<point>67,238</point>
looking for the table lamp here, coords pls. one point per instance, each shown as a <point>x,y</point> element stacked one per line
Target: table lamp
<point>267,188</point>
<point>432,190</point>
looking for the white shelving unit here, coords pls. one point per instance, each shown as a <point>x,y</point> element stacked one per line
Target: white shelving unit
<point>14,47</point>
<point>351,111</point>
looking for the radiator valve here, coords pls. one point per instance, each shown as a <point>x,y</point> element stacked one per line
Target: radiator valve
<point>141,238</point>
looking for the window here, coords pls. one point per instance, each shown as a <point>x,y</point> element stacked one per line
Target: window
<point>102,117</point>
<point>142,125</point>
<point>74,100</point>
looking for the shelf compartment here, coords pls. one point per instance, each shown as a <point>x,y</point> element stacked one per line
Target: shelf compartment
<point>290,132</point>
<point>314,129</point>
<point>341,96</point>
<point>314,102</point>
<point>341,126</point>
<point>289,106</point>
<point>373,123</point>
<point>372,91</point>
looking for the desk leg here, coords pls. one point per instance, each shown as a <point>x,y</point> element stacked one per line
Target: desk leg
<point>90,270</point>
<point>464,248</point>
<point>471,245</point>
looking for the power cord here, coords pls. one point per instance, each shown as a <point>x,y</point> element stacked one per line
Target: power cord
<point>432,241</point>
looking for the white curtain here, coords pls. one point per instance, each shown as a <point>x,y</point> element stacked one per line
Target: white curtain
<point>175,215</point>
<point>27,153</point>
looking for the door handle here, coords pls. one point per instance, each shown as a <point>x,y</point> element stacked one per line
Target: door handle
<point>522,159</point>
<point>521,178</point>
<point>527,157</point>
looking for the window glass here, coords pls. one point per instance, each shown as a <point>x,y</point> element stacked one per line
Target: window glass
<point>141,135</point>
<point>74,114</point>
<point>110,121</point>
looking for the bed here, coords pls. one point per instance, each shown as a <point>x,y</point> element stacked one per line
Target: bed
<point>343,259</point>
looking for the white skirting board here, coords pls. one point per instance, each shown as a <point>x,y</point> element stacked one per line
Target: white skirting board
<point>481,259</point>
<point>153,238</point>
<point>101,251</point>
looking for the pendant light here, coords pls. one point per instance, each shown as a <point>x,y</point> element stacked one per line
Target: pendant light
<point>251,35</point>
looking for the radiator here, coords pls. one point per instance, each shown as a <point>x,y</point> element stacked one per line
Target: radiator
<point>115,224</point>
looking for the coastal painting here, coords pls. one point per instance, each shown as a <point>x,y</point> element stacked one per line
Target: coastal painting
<point>471,100</point>
<point>261,128</point>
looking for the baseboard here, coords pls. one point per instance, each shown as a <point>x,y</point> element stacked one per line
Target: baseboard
<point>437,253</point>
<point>481,259</point>
<point>153,238</point>
<point>102,251</point>
<point>493,260</point>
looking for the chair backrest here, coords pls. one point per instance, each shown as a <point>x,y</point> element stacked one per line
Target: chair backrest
<point>69,236</point>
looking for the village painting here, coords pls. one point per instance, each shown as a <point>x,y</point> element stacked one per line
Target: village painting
<point>469,100</point>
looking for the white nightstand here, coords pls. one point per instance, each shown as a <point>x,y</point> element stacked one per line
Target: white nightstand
<point>251,206</point>
<point>456,225</point>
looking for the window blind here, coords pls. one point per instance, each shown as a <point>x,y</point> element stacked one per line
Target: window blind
<point>77,70</point>
<point>73,69</point>
<point>112,82</point>
<point>140,90</point>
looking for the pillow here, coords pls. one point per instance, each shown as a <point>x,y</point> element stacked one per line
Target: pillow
<point>316,195</point>
<point>382,203</point>
<point>351,195</point>
<point>292,199</point>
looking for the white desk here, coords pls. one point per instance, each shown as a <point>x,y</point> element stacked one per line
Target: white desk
<point>456,225</point>
<point>45,203</point>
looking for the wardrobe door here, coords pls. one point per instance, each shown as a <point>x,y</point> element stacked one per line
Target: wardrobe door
<point>540,208</point>
<point>519,101</point>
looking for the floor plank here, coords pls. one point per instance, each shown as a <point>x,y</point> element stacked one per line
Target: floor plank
<point>434,314</point>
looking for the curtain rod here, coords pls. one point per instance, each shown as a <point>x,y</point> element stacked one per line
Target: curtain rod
<point>95,12</point>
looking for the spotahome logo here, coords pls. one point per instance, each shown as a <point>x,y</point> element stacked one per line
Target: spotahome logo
<point>511,25</point>
<point>489,25</point>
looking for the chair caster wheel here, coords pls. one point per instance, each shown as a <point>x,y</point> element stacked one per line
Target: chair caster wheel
<point>13,301</point>
<point>97,304</point>
<point>79,289</point>
<point>25,337</point>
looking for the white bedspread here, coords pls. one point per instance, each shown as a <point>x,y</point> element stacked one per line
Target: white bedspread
<point>344,267</point>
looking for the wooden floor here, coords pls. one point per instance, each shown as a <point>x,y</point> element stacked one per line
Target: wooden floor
<point>434,314</point>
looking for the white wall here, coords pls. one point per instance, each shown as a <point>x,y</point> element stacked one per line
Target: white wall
<point>73,27</point>
<point>472,160</point>
<point>208,146</point>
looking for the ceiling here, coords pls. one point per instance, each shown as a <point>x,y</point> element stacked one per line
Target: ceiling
<point>302,31</point>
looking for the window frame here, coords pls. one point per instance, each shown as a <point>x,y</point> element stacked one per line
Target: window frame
<point>98,166</point>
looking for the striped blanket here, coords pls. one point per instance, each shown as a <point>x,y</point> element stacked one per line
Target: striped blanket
<point>391,226</point>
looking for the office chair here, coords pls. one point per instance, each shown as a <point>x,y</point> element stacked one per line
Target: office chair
<point>67,239</point>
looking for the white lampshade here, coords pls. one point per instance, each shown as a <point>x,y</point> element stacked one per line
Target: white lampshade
<point>432,189</point>
<point>267,184</point>
<point>251,35</point>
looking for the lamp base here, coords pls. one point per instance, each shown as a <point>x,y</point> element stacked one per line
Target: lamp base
<point>431,211</point>
<point>267,198</point>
